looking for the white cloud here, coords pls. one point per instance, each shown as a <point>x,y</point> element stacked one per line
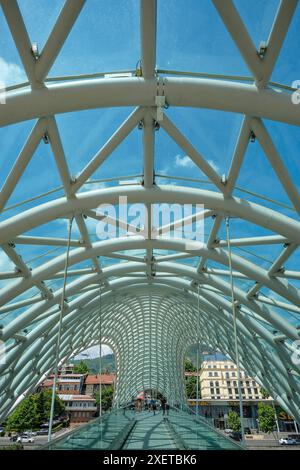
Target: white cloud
<point>214,166</point>
<point>186,162</point>
<point>183,162</point>
<point>11,73</point>
<point>93,186</point>
<point>94,352</point>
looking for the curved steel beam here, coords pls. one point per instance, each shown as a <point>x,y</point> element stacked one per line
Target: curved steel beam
<point>255,213</point>
<point>24,104</point>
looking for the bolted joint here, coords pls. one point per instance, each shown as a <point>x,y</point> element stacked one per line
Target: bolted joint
<point>156,125</point>
<point>46,138</point>
<point>252,137</point>
<point>35,50</point>
<point>262,49</point>
<point>141,124</point>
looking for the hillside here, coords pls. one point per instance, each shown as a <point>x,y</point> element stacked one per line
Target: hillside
<point>108,363</point>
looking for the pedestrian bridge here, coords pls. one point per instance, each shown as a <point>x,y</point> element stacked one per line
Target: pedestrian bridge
<point>127,429</point>
<point>150,209</point>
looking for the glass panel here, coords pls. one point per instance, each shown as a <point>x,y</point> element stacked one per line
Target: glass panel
<point>105,38</point>
<point>203,46</point>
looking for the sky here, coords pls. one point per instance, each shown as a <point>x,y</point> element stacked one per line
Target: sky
<point>190,37</point>
<point>92,352</point>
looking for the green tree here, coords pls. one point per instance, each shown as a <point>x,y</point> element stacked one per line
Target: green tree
<point>33,411</point>
<point>266,418</point>
<point>81,368</point>
<point>191,386</point>
<point>264,393</point>
<point>24,416</point>
<point>107,397</point>
<point>189,366</point>
<point>234,421</point>
<point>44,399</point>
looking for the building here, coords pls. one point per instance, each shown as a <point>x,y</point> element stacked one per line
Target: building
<point>79,408</point>
<point>218,393</point>
<point>218,380</point>
<point>66,369</point>
<point>92,382</point>
<point>67,384</point>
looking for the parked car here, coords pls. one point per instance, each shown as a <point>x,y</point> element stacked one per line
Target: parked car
<point>228,431</point>
<point>25,439</point>
<point>287,441</point>
<point>236,436</point>
<point>296,437</point>
<point>42,432</point>
<point>29,433</point>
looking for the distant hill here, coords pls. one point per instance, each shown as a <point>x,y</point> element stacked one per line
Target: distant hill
<point>108,363</point>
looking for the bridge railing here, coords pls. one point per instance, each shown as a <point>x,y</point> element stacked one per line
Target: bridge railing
<point>105,432</point>
<point>197,432</point>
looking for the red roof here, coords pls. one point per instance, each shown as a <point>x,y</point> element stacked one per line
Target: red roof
<point>95,379</point>
<point>47,383</point>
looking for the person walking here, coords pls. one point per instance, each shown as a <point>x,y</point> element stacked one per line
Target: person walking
<point>163,405</point>
<point>153,405</point>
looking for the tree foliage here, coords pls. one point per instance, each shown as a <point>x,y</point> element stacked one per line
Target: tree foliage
<point>266,417</point>
<point>234,421</point>
<point>81,368</point>
<point>190,381</point>
<point>191,386</point>
<point>33,411</point>
<point>264,393</point>
<point>189,366</point>
<point>107,397</point>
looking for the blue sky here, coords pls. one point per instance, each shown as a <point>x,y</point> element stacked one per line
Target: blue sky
<point>190,37</point>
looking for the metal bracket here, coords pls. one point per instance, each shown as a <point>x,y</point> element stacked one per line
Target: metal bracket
<point>35,50</point>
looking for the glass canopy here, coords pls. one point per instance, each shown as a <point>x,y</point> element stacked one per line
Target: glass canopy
<point>182,103</point>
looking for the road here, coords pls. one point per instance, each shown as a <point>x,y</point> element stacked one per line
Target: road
<point>38,440</point>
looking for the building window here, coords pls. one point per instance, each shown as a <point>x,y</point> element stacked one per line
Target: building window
<point>256,391</point>
<point>215,374</point>
<point>210,374</point>
<point>217,391</point>
<point>212,391</point>
<point>211,384</point>
<point>230,391</point>
<point>217,383</point>
<point>227,375</point>
<point>232,374</point>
